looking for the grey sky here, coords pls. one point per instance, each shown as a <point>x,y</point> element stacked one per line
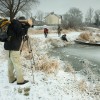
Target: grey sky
<point>62,6</point>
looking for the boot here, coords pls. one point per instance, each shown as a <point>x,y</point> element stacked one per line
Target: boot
<point>25,81</point>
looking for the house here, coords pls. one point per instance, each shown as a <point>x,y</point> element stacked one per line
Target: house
<point>53,19</point>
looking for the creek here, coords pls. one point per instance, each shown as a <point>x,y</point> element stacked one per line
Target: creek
<point>76,54</point>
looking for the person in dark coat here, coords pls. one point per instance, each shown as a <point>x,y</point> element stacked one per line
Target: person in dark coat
<point>45,32</point>
<point>59,30</point>
<point>16,30</point>
<point>63,37</point>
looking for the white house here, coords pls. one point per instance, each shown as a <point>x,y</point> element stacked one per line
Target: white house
<point>53,19</point>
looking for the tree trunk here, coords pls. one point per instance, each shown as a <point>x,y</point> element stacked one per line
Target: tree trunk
<point>12,17</point>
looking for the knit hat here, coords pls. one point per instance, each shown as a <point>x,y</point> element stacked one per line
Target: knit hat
<point>30,22</point>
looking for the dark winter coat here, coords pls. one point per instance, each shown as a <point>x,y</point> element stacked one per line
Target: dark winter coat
<point>15,33</point>
<point>59,29</point>
<point>64,37</point>
<point>45,30</point>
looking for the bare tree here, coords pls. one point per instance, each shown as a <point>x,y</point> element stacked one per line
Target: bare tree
<point>40,15</point>
<point>73,18</point>
<point>89,16</point>
<point>65,21</point>
<point>97,17</point>
<point>11,7</point>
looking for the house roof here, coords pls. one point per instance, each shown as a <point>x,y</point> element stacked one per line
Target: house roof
<point>52,13</point>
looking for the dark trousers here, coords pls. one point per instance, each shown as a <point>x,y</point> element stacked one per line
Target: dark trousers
<point>45,34</point>
<point>59,33</point>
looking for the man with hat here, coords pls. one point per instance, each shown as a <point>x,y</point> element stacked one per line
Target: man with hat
<point>16,30</point>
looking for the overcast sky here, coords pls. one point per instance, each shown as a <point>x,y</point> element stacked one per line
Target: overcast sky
<point>62,6</point>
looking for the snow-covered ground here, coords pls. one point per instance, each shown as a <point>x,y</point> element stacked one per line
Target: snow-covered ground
<point>61,85</point>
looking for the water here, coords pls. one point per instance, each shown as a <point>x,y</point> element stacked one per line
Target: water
<point>76,54</point>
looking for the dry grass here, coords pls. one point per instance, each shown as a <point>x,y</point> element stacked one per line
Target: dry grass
<point>42,61</point>
<point>88,36</point>
<point>85,36</point>
<point>69,68</point>
<point>82,86</point>
<point>67,31</point>
<point>97,87</point>
<point>98,35</point>
<point>32,31</point>
<point>46,64</point>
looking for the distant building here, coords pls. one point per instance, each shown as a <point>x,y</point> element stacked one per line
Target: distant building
<point>53,19</point>
<point>37,22</point>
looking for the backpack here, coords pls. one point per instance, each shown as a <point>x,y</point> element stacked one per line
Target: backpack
<point>14,29</point>
<point>10,30</point>
<point>3,29</point>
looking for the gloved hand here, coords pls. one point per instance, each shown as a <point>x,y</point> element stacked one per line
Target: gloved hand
<point>25,37</point>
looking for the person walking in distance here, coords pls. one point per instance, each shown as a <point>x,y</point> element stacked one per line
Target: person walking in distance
<point>16,31</point>
<point>59,30</point>
<point>45,31</point>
